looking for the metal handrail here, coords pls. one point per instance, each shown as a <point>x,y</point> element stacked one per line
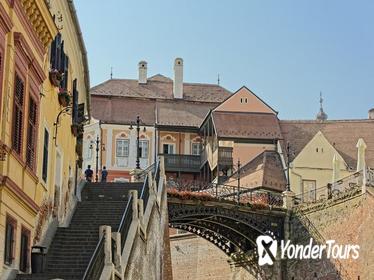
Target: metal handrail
<point>97,258</point>
<point>125,221</point>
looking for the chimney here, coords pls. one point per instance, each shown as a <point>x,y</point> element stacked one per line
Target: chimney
<point>142,72</point>
<point>178,78</point>
<point>371,114</point>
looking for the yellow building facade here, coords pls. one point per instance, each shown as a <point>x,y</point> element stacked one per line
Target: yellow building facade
<point>43,86</point>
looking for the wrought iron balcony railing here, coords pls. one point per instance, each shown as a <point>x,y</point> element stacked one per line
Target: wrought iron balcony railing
<point>182,163</point>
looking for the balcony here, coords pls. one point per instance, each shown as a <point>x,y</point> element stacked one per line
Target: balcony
<point>182,163</point>
<point>225,156</point>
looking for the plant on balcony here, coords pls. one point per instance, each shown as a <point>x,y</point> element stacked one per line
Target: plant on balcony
<point>55,76</point>
<point>64,98</point>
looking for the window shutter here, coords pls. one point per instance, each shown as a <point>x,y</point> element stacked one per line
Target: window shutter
<point>18,114</point>
<point>45,156</point>
<point>75,102</point>
<point>31,133</point>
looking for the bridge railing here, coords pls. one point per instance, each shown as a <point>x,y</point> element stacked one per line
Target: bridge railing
<point>343,186</point>
<point>225,192</point>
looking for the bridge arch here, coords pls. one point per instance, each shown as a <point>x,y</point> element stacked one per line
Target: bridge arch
<point>230,227</point>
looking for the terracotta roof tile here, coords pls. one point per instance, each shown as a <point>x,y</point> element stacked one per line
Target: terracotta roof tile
<point>169,112</point>
<point>160,87</point>
<point>342,134</point>
<point>246,125</point>
<point>182,113</point>
<point>122,111</point>
<point>264,171</point>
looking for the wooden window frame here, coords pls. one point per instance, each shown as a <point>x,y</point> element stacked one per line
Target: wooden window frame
<point>32,128</point>
<point>12,221</point>
<point>45,155</point>
<point>25,231</point>
<point>19,149</point>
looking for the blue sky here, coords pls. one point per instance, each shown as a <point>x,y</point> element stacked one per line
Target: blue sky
<point>285,51</point>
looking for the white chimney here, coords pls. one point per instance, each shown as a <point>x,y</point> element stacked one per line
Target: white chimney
<point>371,114</point>
<point>178,78</point>
<point>142,72</point>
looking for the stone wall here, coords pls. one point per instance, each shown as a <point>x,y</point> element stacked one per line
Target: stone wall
<point>195,258</point>
<point>145,254</point>
<point>347,221</point>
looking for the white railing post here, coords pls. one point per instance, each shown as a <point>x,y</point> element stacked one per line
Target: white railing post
<point>106,232</point>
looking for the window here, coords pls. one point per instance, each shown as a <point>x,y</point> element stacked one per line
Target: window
<point>143,148</point>
<point>18,114</point>
<point>59,60</point>
<point>25,251</point>
<point>10,233</point>
<point>196,148</point>
<point>122,148</point>
<point>31,134</point>
<point>168,149</point>
<point>309,190</point>
<point>122,152</point>
<point>74,114</point>
<point>88,149</point>
<point>45,155</point>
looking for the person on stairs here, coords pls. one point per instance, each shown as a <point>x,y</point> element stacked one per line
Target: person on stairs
<point>104,174</point>
<point>88,173</point>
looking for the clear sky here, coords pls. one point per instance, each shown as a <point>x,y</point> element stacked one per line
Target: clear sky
<point>285,51</point>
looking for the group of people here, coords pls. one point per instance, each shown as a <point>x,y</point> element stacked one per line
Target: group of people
<point>89,174</point>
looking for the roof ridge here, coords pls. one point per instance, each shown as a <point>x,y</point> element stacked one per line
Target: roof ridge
<point>327,121</point>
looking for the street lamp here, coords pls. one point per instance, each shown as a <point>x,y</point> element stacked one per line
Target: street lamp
<point>239,166</point>
<point>97,142</point>
<point>137,123</point>
<point>288,166</point>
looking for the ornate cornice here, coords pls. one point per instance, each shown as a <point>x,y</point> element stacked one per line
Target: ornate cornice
<point>41,20</point>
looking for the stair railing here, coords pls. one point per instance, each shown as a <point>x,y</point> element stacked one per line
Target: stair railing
<point>125,223</point>
<point>96,264</point>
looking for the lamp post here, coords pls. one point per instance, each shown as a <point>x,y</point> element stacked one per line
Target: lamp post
<point>239,180</point>
<point>288,167</point>
<point>97,143</point>
<point>97,159</point>
<point>137,123</point>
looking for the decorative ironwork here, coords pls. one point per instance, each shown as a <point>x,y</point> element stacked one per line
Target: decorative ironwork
<point>232,229</point>
<point>138,123</point>
<point>348,185</point>
<point>228,192</point>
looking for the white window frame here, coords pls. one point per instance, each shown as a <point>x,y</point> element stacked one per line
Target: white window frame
<point>170,145</point>
<point>141,143</point>
<point>193,152</point>
<point>124,155</point>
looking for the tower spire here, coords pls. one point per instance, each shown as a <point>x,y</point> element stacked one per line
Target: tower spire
<point>321,116</point>
<point>111,73</point>
<point>218,79</point>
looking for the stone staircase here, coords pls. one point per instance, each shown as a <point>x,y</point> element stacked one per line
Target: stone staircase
<point>72,247</point>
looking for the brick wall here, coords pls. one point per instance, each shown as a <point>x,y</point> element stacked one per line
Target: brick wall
<point>349,221</point>
<point>194,258</point>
